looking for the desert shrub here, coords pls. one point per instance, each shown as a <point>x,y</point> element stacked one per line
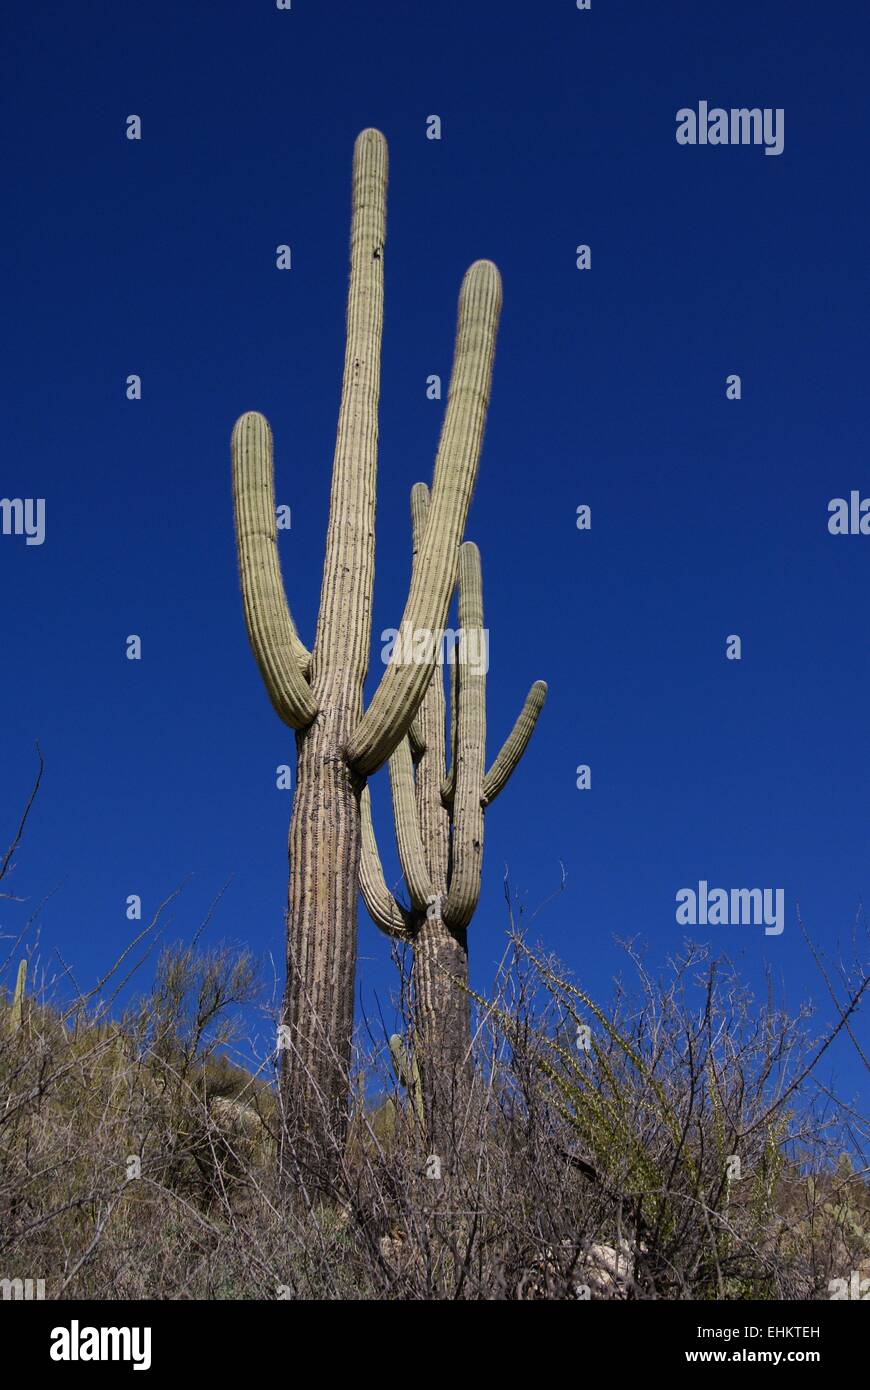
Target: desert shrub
<point>679,1142</point>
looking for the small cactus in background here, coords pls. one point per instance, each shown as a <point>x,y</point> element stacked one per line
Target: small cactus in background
<point>438,815</point>
<point>319,693</point>
<point>17,1011</point>
<point>407,1073</point>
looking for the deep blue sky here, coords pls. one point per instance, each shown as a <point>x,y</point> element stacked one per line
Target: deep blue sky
<point>709,516</point>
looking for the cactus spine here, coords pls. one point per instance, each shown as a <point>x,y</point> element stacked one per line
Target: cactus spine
<point>319,693</point>
<point>438,816</point>
<point>17,1010</point>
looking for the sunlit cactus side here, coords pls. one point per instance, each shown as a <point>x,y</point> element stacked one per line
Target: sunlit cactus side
<point>319,693</point>
<point>438,818</point>
<point>407,1073</point>
<point>16,1013</point>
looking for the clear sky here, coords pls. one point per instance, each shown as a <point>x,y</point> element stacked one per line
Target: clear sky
<point>709,515</point>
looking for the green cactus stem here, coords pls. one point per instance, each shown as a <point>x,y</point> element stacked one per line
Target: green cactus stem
<point>438,820</point>
<point>319,693</point>
<point>407,1073</point>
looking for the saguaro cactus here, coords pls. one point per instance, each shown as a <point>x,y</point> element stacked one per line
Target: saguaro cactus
<point>438,817</point>
<point>319,693</point>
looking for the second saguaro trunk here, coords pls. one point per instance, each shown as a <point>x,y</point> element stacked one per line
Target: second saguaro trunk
<point>319,693</point>
<point>438,819</point>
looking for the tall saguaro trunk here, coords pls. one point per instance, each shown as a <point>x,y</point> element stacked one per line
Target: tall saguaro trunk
<point>324,843</point>
<point>319,693</point>
<point>318,1009</point>
<point>438,817</point>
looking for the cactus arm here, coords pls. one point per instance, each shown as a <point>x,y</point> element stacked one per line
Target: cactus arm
<point>471,754</point>
<point>513,748</point>
<point>454,723</point>
<point>419,512</point>
<point>400,1060</point>
<point>419,516</point>
<point>515,744</point>
<point>280,655</point>
<point>433,821</point>
<point>448,784</point>
<point>410,845</point>
<point>407,1073</point>
<point>344,616</point>
<point>402,686</point>
<point>18,998</point>
<point>386,913</point>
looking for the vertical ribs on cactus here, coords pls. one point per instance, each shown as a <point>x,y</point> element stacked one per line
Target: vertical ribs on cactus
<point>407,1074</point>
<point>438,819</point>
<point>16,1013</point>
<point>319,693</point>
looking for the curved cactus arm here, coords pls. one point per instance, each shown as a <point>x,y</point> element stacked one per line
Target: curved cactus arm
<point>448,784</point>
<point>402,686</point>
<point>281,657</point>
<point>386,913</point>
<point>410,845</point>
<point>464,888</point>
<point>515,744</point>
<point>344,616</point>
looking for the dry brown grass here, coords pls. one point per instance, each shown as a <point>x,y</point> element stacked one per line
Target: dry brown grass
<point>137,1160</point>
